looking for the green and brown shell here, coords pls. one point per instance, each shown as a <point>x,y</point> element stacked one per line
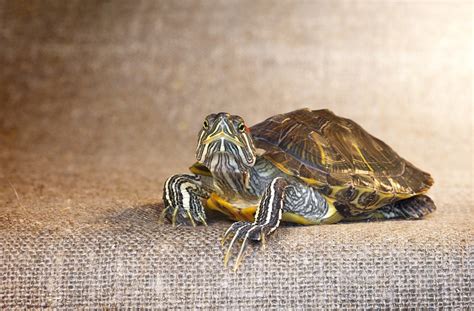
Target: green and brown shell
<point>356,171</point>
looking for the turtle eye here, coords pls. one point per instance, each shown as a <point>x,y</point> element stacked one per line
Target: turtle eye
<point>205,125</point>
<point>241,127</point>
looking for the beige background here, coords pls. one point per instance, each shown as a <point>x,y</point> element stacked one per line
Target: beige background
<point>101,101</point>
<point>120,89</point>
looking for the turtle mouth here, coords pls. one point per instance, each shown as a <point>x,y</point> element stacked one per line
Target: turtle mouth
<point>222,136</point>
<point>226,148</point>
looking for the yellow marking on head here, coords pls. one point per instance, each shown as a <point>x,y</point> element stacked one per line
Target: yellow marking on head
<point>222,134</point>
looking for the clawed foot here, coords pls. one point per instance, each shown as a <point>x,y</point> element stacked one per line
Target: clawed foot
<point>242,231</point>
<point>182,216</point>
<point>182,198</point>
<point>267,219</point>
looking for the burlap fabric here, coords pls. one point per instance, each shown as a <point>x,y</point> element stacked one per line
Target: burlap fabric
<point>101,101</point>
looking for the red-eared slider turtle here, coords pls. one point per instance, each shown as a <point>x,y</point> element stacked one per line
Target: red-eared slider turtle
<point>306,167</point>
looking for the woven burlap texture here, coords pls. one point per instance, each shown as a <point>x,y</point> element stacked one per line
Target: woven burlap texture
<point>101,101</point>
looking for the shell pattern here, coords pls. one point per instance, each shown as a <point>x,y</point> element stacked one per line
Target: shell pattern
<point>356,171</point>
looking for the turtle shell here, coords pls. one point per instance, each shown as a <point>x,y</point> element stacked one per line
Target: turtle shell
<point>353,169</point>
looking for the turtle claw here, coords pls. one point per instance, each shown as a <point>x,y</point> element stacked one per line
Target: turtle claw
<point>173,218</point>
<point>163,215</point>
<point>202,218</point>
<point>182,216</point>
<point>229,231</point>
<point>241,231</point>
<point>191,218</point>
<point>264,242</point>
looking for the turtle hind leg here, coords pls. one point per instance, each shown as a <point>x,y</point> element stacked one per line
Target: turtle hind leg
<point>412,208</point>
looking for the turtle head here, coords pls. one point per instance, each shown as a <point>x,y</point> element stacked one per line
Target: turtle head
<point>228,134</point>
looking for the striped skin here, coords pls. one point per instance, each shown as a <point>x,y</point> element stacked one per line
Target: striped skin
<point>267,218</point>
<point>182,196</point>
<point>230,179</point>
<point>300,199</point>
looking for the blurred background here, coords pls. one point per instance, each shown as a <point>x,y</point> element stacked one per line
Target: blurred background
<point>100,101</point>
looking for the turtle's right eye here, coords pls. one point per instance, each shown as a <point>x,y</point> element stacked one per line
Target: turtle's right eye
<point>241,127</point>
<point>205,125</point>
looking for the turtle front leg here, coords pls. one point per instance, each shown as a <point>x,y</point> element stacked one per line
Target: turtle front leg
<point>267,219</point>
<point>182,196</point>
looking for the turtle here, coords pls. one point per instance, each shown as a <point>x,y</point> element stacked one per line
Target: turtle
<point>305,167</point>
